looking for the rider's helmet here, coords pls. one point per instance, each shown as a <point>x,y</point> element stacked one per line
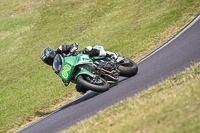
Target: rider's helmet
<point>48,55</point>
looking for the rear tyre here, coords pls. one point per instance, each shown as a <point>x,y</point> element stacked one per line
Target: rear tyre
<point>128,69</point>
<point>93,83</point>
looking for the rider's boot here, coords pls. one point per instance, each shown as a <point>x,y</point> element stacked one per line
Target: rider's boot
<point>81,90</point>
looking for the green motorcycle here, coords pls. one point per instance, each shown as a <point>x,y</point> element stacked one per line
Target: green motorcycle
<point>96,74</point>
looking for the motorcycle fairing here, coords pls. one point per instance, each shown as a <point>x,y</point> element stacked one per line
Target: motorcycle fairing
<point>69,64</point>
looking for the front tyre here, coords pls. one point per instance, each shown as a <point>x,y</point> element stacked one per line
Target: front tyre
<point>95,83</point>
<point>128,68</point>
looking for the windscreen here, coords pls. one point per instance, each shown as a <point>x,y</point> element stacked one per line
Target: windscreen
<point>57,63</point>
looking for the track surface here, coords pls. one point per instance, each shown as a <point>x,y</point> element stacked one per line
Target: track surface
<point>173,57</point>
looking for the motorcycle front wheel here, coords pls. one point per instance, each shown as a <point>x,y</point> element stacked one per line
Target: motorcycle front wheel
<point>128,69</point>
<point>95,83</point>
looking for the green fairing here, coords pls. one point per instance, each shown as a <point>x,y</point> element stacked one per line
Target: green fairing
<point>84,71</point>
<point>69,63</point>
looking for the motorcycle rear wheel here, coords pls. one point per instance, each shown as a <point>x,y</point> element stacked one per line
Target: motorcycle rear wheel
<point>97,83</point>
<point>128,69</point>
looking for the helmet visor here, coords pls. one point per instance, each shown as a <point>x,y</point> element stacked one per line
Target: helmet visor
<point>50,52</point>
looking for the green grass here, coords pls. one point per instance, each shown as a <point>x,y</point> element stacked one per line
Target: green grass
<point>172,106</point>
<point>29,89</point>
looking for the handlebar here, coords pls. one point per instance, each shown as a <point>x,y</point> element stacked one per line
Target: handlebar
<point>69,54</point>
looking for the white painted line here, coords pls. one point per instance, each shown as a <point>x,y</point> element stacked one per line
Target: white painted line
<point>172,39</point>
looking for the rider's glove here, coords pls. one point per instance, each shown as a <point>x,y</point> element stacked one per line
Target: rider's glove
<point>66,83</point>
<point>73,47</point>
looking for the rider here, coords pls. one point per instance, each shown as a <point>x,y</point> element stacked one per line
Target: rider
<point>48,55</point>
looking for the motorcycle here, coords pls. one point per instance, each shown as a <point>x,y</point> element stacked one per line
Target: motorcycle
<point>97,73</point>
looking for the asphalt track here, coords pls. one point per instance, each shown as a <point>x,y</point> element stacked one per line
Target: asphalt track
<point>173,57</point>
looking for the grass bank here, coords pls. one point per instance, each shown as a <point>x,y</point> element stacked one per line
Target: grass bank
<point>29,89</point>
<point>170,107</point>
